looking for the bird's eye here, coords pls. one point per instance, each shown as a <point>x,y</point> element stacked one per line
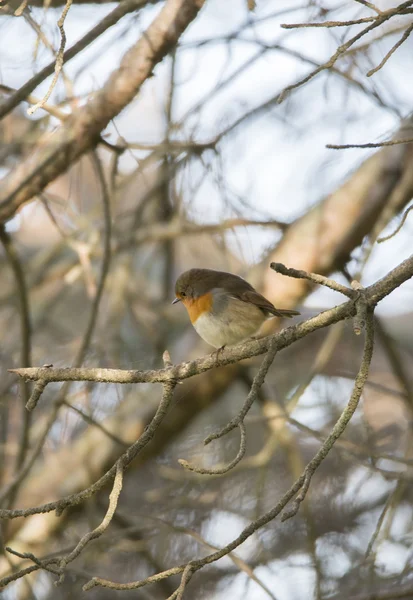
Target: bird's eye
<point>183,294</point>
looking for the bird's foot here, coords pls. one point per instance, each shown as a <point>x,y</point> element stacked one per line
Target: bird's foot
<point>218,351</point>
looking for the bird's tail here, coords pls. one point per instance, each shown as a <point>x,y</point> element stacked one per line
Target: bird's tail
<point>284,312</point>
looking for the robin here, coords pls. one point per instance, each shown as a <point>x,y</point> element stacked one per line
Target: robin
<point>224,308</point>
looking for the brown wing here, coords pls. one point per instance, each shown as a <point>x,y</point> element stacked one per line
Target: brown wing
<point>238,288</point>
<point>265,305</point>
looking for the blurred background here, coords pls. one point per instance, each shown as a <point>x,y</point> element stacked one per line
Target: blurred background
<point>206,168</point>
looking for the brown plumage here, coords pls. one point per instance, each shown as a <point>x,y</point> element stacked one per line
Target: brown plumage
<point>224,308</point>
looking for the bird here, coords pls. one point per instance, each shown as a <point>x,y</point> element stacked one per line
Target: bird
<point>224,308</point>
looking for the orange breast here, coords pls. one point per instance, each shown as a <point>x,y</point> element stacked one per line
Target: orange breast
<point>197,306</point>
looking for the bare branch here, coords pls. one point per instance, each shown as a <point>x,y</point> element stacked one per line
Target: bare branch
<point>90,421</point>
<point>343,421</point>
<point>59,60</point>
<point>374,294</point>
<point>341,50</point>
<point>221,470</point>
<point>173,229</point>
<point>98,581</point>
<point>125,7</point>
<point>238,562</point>
<point>256,385</point>
<point>369,144</point>
<point>155,192</point>
<point>404,37</point>
<point>18,574</point>
<point>400,225</point>
<point>47,565</point>
<point>98,531</point>
<point>79,133</point>
<point>313,277</point>
<point>328,24</point>
<point>370,5</point>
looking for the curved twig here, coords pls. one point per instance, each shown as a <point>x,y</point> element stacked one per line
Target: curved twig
<point>221,470</point>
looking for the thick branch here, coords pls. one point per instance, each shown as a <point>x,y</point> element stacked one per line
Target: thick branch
<point>81,131</point>
<point>125,7</point>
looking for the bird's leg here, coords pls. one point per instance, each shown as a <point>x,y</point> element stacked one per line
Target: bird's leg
<point>218,351</point>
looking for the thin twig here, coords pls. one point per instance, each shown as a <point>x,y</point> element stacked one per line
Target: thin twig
<point>369,144</point>
<point>256,385</point>
<point>402,222</point>
<point>21,8</point>
<point>328,24</point>
<point>370,5</point>
<point>18,574</point>
<point>341,50</point>
<point>98,581</point>
<point>98,531</point>
<point>342,422</point>
<point>59,60</point>
<point>77,135</point>
<point>404,37</point>
<point>52,110</point>
<point>381,519</point>
<point>238,562</point>
<point>20,95</point>
<point>176,228</point>
<point>90,421</point>
<point>47,565</point>
<point>314,277</point>
<point>397,365</point>
<point>221,470</point>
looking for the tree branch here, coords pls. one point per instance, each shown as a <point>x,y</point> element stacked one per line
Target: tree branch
<point>81,131</point>
<point>343,421</point>
<point>373,294</point>
<point>125,7</point>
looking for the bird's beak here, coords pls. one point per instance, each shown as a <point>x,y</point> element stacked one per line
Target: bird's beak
<point>176,300</point>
